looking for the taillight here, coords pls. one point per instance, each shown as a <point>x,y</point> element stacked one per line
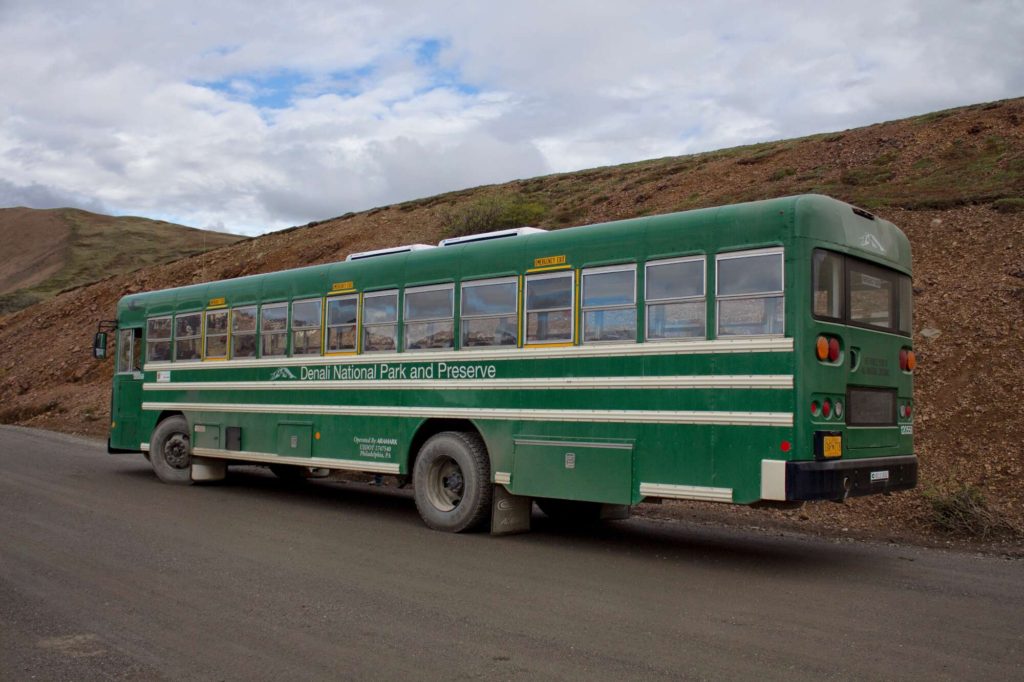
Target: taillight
<point>827,348</point>
<point>833,349</point>
<point>826,407</point>
<point>822,348</point>
<point>815,408</point>
<point>908,361</point>
<point>838,409</point>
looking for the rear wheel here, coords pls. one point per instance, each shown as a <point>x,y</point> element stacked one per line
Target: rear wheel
<point>170,451</point>
<point>452,479</point>
<point>570,512</point>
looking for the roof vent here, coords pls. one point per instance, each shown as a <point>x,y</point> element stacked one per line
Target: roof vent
<point>484,236</point>
<point>387,252</point>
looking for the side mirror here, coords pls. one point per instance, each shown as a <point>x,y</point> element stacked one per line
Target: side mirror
<point>99,345</point>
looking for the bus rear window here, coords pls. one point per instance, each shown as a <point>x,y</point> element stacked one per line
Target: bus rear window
<point>849,290</point>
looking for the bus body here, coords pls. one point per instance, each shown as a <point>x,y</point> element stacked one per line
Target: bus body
<point>758,352</point>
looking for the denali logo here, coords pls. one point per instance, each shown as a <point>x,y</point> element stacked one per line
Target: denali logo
<point>871,241</point>
<point>282,373</point>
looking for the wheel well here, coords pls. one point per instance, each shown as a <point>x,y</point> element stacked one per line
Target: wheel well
<point>166,414</point>
<point>433,427</point>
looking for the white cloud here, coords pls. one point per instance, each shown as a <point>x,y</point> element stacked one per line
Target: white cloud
<point>257,115</point>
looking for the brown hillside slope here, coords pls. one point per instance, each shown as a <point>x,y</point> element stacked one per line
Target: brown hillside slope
<point>49,250</point>
<point>954,181</point>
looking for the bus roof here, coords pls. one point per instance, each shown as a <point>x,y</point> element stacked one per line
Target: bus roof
<point>768,222</point>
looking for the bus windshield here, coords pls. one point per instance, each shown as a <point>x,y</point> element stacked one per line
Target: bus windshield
<point>853,291</point>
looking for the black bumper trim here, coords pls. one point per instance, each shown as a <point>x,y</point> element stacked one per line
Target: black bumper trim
<point>850,478</point>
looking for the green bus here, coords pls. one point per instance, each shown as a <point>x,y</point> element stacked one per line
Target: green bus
<point>757,353</point>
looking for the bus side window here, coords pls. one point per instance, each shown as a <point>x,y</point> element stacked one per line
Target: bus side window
<point>306,327</point>
<point>749,293</point>
<point>549,307</point>
<point>609,304</point>
<point>215,343</point>
<point>674,295</point>
<point>342,323</point>
<point>137,350</point>
<point>489,312</point>
<point>124,350</point>
<point>188,329</point>
<point>430,317</point>
<point>380,321</point>
<point>158,339</point>
<point>243,332</point>
<point>274,330</point>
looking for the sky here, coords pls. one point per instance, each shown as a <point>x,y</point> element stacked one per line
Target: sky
<point>250,116</point>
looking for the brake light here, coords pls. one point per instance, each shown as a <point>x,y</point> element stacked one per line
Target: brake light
<point>826,407</point>
<point>908,361</point>
<point>833,349</point>
<point>815,408</point>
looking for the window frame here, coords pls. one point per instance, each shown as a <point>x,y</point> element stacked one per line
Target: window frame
<point>406,320</point>
<point>261,332</point>
<point>781,293</point>
<point>516,304</point>
<point>121,333</point>
<point>703,259</point>
<point>379,293</point>
<point>538,277</point>
<point>206,335</point>
<point>327,326</point>
<point>584,308</point>
<point>292,328</point>
<point>160,339</point>
<point>255,333</point>
<point>841,319</point>
<point>200,335</point>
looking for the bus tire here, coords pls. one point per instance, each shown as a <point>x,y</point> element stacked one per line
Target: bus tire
<point>170,451</point>
<point>569,512</point>
<point>452,482</point>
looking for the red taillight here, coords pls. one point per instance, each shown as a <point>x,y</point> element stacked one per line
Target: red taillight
<point>910,411</point>
<point>826,407</point>
<point>815,408</point>
<point>833,349</point>
<point>785,446</point>
<point>903,359</point>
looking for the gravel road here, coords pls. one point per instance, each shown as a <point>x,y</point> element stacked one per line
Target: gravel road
<point>107,574</point>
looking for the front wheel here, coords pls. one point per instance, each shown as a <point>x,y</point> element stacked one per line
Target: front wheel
<point>170,451</point>
<point>452,479</point>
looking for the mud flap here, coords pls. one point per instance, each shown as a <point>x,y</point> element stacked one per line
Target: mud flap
<point>205,469</point>
<point>509,513</point>
<point>615,512</point>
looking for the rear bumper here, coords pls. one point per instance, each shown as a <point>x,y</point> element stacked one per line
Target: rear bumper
<point>802,481</point>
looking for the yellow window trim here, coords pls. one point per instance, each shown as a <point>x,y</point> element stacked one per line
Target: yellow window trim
<point>550,345</point>
<point>549,268</point>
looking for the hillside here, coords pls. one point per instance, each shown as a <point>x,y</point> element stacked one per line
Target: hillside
<point>953,180</point>
<point>50,250</point>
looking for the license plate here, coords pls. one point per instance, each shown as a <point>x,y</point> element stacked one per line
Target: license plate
<point>833,446</point>
<point>880,475</point>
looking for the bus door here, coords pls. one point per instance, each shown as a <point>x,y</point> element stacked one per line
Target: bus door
<point>127,396</point>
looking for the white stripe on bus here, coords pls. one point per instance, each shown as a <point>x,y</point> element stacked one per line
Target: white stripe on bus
<point>500,414</point>
<point>686,492</point>
<point>768,381</point>
<point>315,462</point>
<point>751,345</point>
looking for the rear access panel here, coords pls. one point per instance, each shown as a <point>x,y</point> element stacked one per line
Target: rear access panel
<point>573,470</point>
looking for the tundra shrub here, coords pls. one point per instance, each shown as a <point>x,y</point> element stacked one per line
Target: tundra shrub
<point>491,212</point>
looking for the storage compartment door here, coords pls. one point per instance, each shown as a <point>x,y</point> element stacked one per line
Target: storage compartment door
<point>295,439</point>
<point>573,470</point>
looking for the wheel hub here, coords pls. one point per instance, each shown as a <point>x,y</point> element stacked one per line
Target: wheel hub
<point>176,451</point>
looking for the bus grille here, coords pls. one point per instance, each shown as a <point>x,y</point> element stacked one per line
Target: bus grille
<point>871,406</point>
